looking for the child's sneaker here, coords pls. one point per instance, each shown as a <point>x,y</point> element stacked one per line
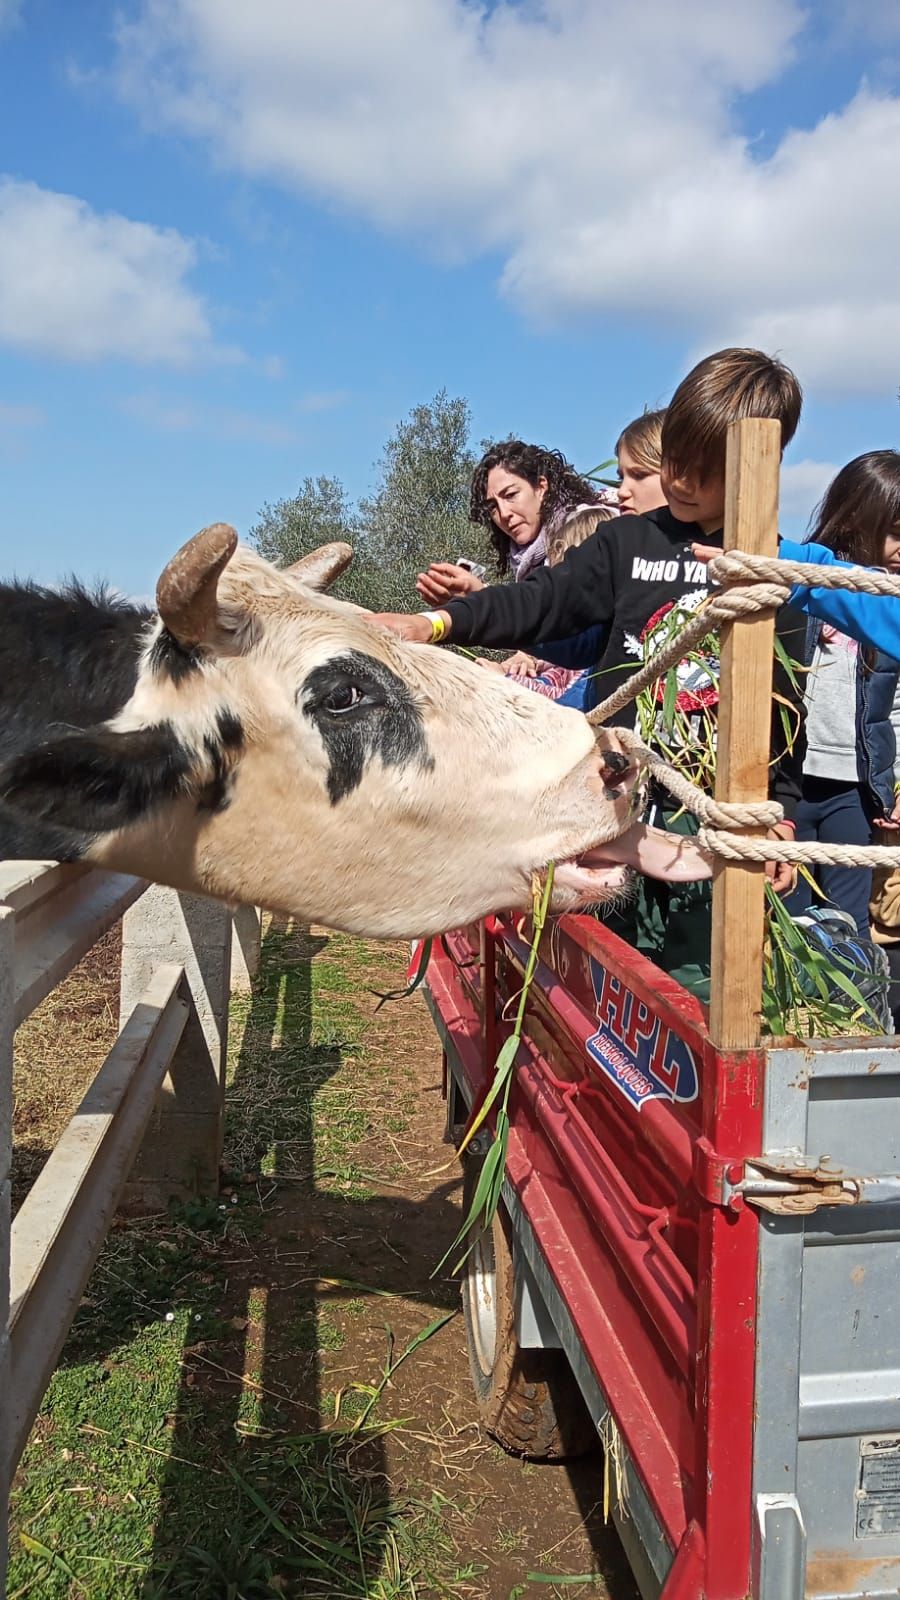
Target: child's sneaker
<point>863,962</point>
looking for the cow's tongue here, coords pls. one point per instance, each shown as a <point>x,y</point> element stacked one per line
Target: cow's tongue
<point>669,856</point>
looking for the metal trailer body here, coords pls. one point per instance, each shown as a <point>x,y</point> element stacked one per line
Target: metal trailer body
<point>713,1239</point>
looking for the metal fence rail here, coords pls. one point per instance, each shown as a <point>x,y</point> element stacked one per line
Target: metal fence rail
<point>150,1124</point>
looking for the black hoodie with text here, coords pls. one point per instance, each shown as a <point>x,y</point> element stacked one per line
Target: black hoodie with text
<point>626,578</point>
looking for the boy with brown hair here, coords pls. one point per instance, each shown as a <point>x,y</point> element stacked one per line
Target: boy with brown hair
<point>629,576</point>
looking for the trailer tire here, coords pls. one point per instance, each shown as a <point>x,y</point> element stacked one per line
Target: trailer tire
<point>528,1399</point>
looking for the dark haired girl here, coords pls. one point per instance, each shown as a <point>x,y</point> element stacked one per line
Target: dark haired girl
<point>848,774</point>
<point>523,495</point>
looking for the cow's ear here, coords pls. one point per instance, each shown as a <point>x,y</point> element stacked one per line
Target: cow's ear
<point>321,567</point>
<point>96,780</point>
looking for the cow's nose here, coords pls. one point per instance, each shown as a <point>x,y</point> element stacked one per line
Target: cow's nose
<point>617,773</point>
<point>613,767</point>
<point>615,760</point>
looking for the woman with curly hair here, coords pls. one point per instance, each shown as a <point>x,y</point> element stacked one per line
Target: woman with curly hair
<point>523,494</point>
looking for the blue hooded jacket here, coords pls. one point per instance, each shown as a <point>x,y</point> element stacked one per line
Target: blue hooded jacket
<point>873,619</point>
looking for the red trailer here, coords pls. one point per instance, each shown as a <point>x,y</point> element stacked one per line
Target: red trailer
<point>699,1234</point>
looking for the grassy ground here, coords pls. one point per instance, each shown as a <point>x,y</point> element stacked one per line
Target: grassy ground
<point>265,1394</point>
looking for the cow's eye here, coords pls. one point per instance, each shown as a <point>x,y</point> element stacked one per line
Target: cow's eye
<point>344,697</point>
<point>341,688</point>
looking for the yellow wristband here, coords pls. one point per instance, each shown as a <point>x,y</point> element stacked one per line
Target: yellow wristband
<point>438,626</point>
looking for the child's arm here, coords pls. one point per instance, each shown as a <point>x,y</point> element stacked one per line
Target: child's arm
<point>872,619</point>
<point>551,603</point>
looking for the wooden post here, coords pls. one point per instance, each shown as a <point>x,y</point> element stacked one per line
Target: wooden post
<point>744,737</point>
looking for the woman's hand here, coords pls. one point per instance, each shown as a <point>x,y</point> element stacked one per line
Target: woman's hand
<point>782,875</point>
<point>446,581</point>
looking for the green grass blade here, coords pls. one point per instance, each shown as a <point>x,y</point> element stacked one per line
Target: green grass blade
<point>506,1057</point>
<point>36,1548</point>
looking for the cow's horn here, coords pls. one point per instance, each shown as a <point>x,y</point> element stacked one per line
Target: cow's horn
<point>320,568</point>
<point>186,592</point>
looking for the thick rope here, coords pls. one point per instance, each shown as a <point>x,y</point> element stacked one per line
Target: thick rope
<point>734,814</point>
<point>725,607</point>
<point>735,566</point>
<point>770,583</point>
<point>736,847</point>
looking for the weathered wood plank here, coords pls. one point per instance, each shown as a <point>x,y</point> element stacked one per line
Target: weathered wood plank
<point>744,736</point>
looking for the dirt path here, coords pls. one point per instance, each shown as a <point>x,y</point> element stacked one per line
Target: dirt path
<point>188,1447</point>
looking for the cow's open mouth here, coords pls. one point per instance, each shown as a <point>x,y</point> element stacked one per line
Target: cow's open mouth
<point>603,872</point>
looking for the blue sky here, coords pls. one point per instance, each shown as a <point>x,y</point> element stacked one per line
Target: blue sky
<point>238,243</point>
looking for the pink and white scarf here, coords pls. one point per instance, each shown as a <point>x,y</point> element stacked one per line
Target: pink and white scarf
<point>524,558</point>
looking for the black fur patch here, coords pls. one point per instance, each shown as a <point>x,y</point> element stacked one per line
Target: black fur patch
<point>93,780</point>
<point>217,793</point>
<point>68,664</point>
<point>362,709</point>
<point>170,659</point>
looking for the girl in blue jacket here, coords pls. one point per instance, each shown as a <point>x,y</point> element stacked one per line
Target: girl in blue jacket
<point>848,771</point>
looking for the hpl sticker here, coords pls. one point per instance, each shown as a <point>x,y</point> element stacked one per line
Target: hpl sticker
<point>643,1058</point>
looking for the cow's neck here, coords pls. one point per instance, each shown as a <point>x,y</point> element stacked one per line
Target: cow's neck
<point>65,657</point>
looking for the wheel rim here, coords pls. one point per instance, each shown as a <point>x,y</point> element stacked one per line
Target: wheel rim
<point>482,1285</point>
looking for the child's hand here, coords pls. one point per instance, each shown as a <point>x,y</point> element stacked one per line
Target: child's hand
<point>520,665</point>
<point>705,552</point>
<point>892,821</point>
<point>414,627</point>
<point>782,875</point>
<point>445,581</point>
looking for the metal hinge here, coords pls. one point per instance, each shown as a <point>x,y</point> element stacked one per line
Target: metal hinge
<point>787,1187</point>
<point>786,1184</point>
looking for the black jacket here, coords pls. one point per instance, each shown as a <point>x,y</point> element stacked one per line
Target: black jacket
<point>625,578</point>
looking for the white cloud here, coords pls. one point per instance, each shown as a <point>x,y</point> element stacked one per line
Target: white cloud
<point>81,286</point>
<point>803,484</point>
<point>10,14</point>
<point>324,400</point>
<point>14,418</point>
<point>213,422</point>
<point>595,147</point>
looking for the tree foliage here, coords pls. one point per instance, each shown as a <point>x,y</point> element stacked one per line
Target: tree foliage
<point>418,512</point>
<point>319,513</point>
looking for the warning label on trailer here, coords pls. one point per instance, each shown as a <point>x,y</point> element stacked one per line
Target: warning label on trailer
<point>643,1058</point>
<point>878,1495</point>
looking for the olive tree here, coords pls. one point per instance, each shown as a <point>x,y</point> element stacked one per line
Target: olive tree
<point>417,513</point>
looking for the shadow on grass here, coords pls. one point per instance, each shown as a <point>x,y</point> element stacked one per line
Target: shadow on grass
<point>192,1396</point>
<point>294,1504</point>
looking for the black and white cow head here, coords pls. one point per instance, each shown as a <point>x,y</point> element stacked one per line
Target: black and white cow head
<point>280,748</point>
